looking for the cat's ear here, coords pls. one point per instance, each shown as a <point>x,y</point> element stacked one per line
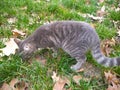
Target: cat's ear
<point>18,41</point>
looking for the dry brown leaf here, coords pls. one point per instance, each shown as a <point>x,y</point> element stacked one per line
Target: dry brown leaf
<point>15,84</point>
<point>101,1</point>
<point>59,85</point>
<point>80,70</point>
<point>95,18</point>
<point>5,86</point>
<point>59,82</point>
<point>77,78</point>
<point>101,12</point>
<point>106,46</point>
<point>111,78</point>
<point>113,87</point>
<point>17,33</point>
<point>21,85</point>
<point>10,48</point>
<point>117,25</point>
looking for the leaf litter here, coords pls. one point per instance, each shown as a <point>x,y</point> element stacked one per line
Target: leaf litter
<point>15,84</point>
<point>17,33</point>
<point>106,46</point>
<point>112,80</point>
<point>10,48</point>
<point>59,82</point>
<point>10,45</point>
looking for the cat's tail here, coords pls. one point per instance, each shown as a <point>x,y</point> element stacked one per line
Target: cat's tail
<point>102,59</point>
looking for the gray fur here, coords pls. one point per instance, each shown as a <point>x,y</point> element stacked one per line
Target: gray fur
<point>74,37</point>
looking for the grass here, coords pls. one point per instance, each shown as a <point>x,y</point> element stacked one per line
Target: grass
<point>29,15</point>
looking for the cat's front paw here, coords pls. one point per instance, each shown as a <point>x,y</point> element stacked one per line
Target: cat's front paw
<point>77,66</point>
<point>74,67</point>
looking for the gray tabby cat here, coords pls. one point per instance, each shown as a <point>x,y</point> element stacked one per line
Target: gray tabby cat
<point>74,37</point>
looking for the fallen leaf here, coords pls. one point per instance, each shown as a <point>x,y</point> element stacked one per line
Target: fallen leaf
<point>15,84</point>
<point>11,20</point>
<point>77,78</point>
<point>117,9</point>
<point>59,85</point>
<point>101,12</point>
<point>17,33</point>
<point>96,18</point>
<point>112,80</point>
<point>113,87</point>
<point>80,70</point>
<point>118,33</point>
<point>5,86</point>
<point>21,85</point>
<point>31,21</point>
<point>106,46</point>
<point>59,82</point>
<point>101,1</point>
<point>55,77</point>
<point>10,48</point>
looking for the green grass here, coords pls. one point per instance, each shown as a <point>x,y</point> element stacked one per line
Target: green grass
<point>29,15</point>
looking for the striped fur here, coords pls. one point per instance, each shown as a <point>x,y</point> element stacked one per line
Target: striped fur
<point>74,37</point>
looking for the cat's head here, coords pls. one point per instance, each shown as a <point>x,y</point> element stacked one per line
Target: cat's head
<point>26,49</point>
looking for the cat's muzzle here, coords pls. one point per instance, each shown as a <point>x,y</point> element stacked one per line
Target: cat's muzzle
<point>25,56</point>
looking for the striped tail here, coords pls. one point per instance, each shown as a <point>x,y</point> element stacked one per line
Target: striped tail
<point>102,59</point>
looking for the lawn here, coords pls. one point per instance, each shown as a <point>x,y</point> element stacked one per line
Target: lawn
<point>28,15</point>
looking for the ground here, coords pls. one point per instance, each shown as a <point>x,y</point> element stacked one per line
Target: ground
<point>28,15</point>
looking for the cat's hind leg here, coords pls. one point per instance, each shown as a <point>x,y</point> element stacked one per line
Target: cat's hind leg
<point>77,51</point>
<point>80,61</point>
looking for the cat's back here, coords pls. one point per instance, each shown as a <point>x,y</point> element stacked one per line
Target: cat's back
<point>67,26</point>
<point>71,25</point>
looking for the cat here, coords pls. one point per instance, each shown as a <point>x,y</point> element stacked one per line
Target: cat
<point>74,37</point>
